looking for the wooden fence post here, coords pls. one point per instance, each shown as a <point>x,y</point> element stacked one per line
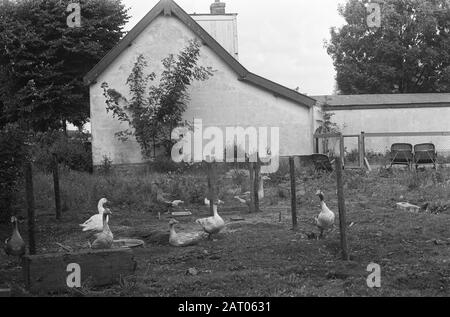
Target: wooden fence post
<point>252,186</point>
<point>363,147</point>
<point>30,207</point>
<point>360,155</point>
<point>341,204</point>
<point>212,186</point>
<point>56,187</point>
<point>342,151</point>
<point>293,192</point>
<point>257,179</point>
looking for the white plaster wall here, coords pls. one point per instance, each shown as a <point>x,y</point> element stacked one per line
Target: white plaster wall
<point>395,120</point>
<point>221,101</point>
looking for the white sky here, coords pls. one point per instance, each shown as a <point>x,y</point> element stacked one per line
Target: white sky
<point>281,40</point>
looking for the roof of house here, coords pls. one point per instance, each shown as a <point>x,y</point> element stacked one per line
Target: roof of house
<point>169,8</point>
<point>387,101</point>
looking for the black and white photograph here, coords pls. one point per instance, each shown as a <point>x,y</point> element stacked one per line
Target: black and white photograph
<point>224,154</point>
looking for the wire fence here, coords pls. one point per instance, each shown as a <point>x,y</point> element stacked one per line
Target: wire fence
<point>376,147</point>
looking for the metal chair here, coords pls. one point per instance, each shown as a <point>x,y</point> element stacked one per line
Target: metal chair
<point>401,154</point>
<point>425,154</point>
<point>322,163</point>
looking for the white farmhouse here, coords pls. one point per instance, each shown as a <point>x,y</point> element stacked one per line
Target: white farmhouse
<point>233,97</point>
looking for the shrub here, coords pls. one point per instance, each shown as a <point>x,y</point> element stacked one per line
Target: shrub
<point>239,177</point>
<point>353,156</point>
<point>414,181</point>
<point>188,189</point>
<point>281,175</point>
<point>164,164</point>
<point>106,165</point>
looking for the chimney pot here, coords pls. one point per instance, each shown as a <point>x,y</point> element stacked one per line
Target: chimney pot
<point>218,7</point>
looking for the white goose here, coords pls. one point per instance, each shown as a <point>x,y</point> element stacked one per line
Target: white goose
<point>95,223</point>
<point>325,220</point>
<point>208,202</point>
<point>176,203</point>
<point>105,238</point>
<point>212,225</point>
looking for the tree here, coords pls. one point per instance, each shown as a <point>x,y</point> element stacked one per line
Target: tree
<point>155,110</point>
<point>328,127</point>
<point>409,53</point>
<point>13,152</point>
<point>43,61</point>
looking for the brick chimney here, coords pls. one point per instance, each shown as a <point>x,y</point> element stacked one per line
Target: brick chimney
<point>218,7</point>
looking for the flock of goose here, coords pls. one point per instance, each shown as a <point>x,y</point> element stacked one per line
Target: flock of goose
<point>104,238</point>
<point>210,225</point>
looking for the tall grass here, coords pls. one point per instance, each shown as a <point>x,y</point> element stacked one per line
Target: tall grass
<point>81,191</point>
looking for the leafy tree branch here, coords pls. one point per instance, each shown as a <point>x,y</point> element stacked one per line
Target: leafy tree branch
<point>154,110</point>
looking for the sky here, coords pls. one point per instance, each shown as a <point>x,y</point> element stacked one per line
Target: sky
<point>281,40</point>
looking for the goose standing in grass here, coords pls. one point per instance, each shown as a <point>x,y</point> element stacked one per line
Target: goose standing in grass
<point>15,246</point>
<point>95,223</point>
<point>184,239</point>
<point>105,238</point>
<point>325,220</point>
<point>212,225</point>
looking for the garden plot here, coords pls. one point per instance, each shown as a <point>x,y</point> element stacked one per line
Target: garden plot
<point>259,254</point>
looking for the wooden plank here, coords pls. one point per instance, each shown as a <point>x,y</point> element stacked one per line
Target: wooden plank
<point>49,272</point>
<point>384,134</point>
<point>30,207</point>
<point>293,192</point>
<point>367,164</point>
<point>327,135</point>
<point>350,135</point>
<point>56,187</point>
<point>181,213</point>
<point>408,207</point>
<point>334,135</point>
<point>341,204</point>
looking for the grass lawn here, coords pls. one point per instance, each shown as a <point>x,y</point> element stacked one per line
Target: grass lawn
<point>260,255</point>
